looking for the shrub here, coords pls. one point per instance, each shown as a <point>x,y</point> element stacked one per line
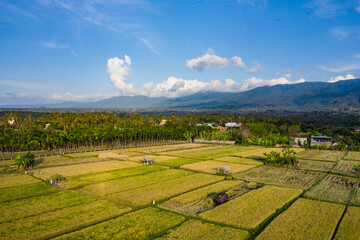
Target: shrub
<point>24,161</point>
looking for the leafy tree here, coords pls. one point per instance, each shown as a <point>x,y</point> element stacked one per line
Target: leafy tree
<point>272,157</point>
<point>24,161</point>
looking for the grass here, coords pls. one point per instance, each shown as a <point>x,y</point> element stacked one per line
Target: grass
<point>206,153</point>
<point>16,180</point>
<point>5,163</point>
<point>26,191</point>
<point>63,160</point>
<point>333,188</point>
<point>123,184</point>
<point>352,156</point>
<point>240,160</point>
<point>164,190</point>
<point>205,191</point>
<point>305,219</point>
<point>83,180</point>
<point>315,165</point>
<point>157,158</point>
<point>141,224</point>
<point>350,225</point>
<point>259,152</point>
<point>80,169</point>
<point>356,197</point>
<point>201,201</point>
<point>195,229</point>
<point>252,208</point>
<point>157,149</point>
<point>211,166</point>
<point>321,155</point>
<point>281,176</point>
<point>347,167</point>
<point>176,163</point>
<point>37,205</point>
<point>60,221</point>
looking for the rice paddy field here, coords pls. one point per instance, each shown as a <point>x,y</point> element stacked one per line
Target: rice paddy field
<point>111,195</point>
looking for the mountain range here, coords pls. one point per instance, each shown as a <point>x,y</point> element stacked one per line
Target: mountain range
<point>307,95</point>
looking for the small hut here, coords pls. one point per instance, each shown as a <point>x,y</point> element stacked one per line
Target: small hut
<point>147,161</point>
<point>224,169</point>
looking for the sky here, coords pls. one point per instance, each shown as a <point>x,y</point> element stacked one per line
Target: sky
<point>88,50</point>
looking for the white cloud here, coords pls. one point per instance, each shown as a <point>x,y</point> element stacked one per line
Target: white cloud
<point>256,68</point>
<point>119,70</point>
<point>206,61</point>
<point>62,97</point>
<point>357,56</point>
<point>341,68</point>
<point>286,73</point>
<point>24,85</point>
<point>238,62</point>
<point>341,78</point>
<point>172,87</point>
<point>340,33</point>
<point>53,44</point>
<point>211,60</point>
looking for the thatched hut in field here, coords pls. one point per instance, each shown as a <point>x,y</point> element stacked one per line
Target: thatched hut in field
<point>147,161</point>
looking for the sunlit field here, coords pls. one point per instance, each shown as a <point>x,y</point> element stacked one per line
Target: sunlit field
<point>112,195</point>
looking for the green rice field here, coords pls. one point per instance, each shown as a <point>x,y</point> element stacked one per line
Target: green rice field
<point>112,195</point>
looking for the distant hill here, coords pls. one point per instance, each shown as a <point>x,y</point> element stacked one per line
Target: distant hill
<point>308,95</point>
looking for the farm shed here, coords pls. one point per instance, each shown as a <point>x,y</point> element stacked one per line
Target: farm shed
<point>147,161</point>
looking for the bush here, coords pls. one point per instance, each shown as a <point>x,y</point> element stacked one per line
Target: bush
<point>24,161</point>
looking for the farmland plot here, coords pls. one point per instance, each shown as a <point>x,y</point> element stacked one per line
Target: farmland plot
<point>347,167</point>
<point>252,208</point>
<point>156,149</point>
<point>60,221</point>
<point>259,152</point>
<point>5,163</point>
<point>333,188</point>
<point>350,225</point>
<point>157,158</point>
<point>356,198</point>
<point>141,224</point>
<point>83,180</point>
<point>321,155</point>
<point>281,176</point>
<point>163,190</point>
<point>118,185</point>
<point>305,219</point>
<point>62,160</point>
<point>177,162</point>
<point>16,180</point>
<point>206,153</point>
<point>86,168</point>
<point>240,160</point>
<point>315,165</point>
<point>211,166</point>
<point>201,200</point>
<point>352,156</point>
<point>37,205</point>
<point>196,229</point>
<point>25,191</point>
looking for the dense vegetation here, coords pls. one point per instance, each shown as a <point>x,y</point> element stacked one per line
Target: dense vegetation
<point>28,131</point>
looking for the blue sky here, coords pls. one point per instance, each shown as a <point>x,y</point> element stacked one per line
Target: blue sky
<point>63,50</point>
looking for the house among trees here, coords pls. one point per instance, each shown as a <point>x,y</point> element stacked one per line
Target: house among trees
<point>232,125</point>
<point>162,123</point>
<point>320,140</point>
<point>357,131</point>
<point>147,161</point>
<point>299,138</point>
